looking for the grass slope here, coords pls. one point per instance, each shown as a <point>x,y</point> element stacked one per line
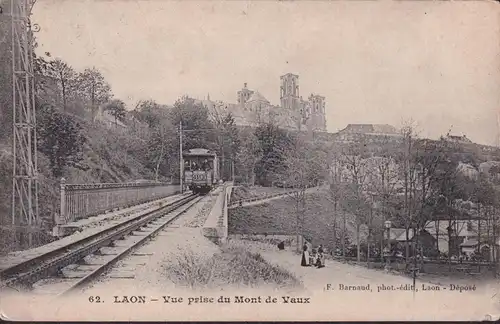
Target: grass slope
<point>253,192</point>
<point>278,217</point>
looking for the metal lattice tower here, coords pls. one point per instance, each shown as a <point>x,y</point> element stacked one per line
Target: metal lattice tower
<point>25,172</point>
<point>498,129</point>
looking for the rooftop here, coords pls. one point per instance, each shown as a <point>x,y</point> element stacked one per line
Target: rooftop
<point>256,96</point>
<point>460,138</point>
<point>371,129</point>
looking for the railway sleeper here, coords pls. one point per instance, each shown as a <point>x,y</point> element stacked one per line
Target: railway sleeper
<point>25,280</point>
<point>54,266</point>
<point>139,233</point>
<point>75,274</point>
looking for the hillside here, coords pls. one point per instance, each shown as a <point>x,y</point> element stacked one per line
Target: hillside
<point>108,156</point>
<point>71,142</point>
<point>278,217</point>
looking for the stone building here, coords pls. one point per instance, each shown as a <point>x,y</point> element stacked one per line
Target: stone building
<point>368,132</point>
<point>293,113</point>
<point>459,139</point>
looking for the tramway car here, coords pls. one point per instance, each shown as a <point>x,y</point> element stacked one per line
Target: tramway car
<point>201,170</point>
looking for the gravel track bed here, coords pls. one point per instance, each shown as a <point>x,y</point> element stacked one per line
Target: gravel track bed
<point>181,237</point>
<point>88,227</point>
<point>204,208</point>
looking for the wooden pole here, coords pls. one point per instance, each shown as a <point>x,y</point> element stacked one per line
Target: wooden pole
<point>180,157</point>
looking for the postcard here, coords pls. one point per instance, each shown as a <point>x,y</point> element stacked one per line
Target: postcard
<point>249,160</point>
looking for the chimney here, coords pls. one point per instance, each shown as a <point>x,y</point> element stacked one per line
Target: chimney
<point>245,85</point>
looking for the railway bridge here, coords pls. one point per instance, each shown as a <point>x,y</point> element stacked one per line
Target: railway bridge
<point>94,218</point>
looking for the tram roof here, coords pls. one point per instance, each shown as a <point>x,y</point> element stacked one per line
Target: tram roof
<point>198,152</point>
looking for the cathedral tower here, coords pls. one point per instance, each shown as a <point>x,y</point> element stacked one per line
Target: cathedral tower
<point>290,98</point>
<point>244,94</point>
<point>317,112</point>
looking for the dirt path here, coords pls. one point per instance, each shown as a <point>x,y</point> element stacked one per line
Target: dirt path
<point>324,285</point>
<point>268,199</point>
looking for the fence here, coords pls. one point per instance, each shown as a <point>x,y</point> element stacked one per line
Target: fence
<point>289,240</point>
<point>263,197</point>
<point>79,201</point>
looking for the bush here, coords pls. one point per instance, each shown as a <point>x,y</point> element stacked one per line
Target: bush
<point>234,265</point>
<point>60,138</point>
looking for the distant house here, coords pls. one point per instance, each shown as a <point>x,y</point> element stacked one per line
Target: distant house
<point>370,132</point>
<point>398,237</point>
<point>439,230</point>
<point>459,139</point>
<point>464,235</point>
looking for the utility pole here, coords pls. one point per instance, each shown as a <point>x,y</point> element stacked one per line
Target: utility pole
<point>180,157</point>
<point>25,213</point>
<point>232,170</point>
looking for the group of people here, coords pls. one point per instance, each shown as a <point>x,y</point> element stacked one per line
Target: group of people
<point>315,258</point>
<point>194,166</point>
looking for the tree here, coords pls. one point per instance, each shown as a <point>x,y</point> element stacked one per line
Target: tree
<point>383,179</point>
<point>199,130</point>
<point>65,76</point>
<point>445,188</point>
<point>418,160</point>
<point>335,193</point>
<point>161,135</point>
<point>296,171</point>
<point>43,69</point>
<point>431,185</point>
<point>484,196</point>
<point>273,142</point>
<point>149,112</point>
<point>356,202</point>
<point>162,148</point>
<point>228,140</point>
<point>117,109</point>
<point>93,89</point>
<point>60,139</point>
<point>248,155</point>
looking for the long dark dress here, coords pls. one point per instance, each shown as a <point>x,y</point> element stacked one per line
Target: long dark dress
<point>320,261</point>
<point>305,257</point>
<point>281,245</point>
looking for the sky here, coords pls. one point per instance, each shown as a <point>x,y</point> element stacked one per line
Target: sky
<point>436,63</point>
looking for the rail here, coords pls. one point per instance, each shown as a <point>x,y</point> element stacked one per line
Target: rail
<point>48,263</point>
<point>79,201</point>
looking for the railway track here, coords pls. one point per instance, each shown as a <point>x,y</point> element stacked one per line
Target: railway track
<point>132,232</point>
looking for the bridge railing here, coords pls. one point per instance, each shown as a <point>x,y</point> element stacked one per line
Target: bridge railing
<point>79,201</point>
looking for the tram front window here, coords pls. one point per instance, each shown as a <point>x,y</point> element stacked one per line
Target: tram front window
<point>207,165</point>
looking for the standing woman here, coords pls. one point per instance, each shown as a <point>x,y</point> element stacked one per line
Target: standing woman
<point>320,263</point>
<point>305,256</point>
